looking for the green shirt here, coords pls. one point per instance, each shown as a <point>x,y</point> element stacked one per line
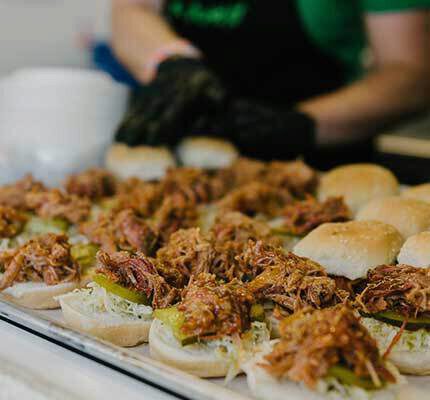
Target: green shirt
<point>337,27</point>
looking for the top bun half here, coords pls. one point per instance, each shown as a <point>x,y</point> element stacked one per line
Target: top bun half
<point>358,184</point>
<point>350,249</point>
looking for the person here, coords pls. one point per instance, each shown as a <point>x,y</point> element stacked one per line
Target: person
<point>277,78</point>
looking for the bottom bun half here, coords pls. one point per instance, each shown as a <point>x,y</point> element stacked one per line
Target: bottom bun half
<point>196,359</point>
<point>114,329</point>
<point>37,296</point>
<point>265,387</point>
<point>411,354</point>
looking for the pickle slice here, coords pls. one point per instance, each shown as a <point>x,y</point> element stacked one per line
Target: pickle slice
<point>175,319</point>
<point>37,225</point>
<point>84,255</point>
<point>258,313</point>
<point>394,318</point>
<point>347,377</point>
<point>121,291</point>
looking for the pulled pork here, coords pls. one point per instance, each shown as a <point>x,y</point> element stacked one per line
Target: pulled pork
<point>214,310</point>
<point>256,198</point>
<point>142,197</point>
<point>303,216</point>
<point>11,222</point>
<point>14,195</point>
<point>175,213</point>
<point>137,272</point>
<point>229,237</point>
<point>299,178</point>
<point>193,184</point>
<point>56,204</point>
<point>400,288</point>
<point>313,341</point>
<point>187,251</point>
<point>94,183</point>
<point>290,281</point>
<point>43,259</point>
<point>123,230</point>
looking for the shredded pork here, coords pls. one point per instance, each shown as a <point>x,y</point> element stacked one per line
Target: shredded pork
<point>11,222</point>
<point>45,258</point>
<point>299,218</point>
<point>399,288</point>
<point>94,183</point>
<point>123,230</point>
<point>313,341</point>
<point>56,204</point>
<point>14,195</point>
<point>288,280</point>
<point>137,272</point>
<point>214,310</point>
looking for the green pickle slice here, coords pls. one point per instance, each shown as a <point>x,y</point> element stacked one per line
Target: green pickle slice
<point>37,225</point>
<point>121,291</point>
<point>397,319</point>
<point>175,319</point>
<point>347,377</point>
<point>84,255</point>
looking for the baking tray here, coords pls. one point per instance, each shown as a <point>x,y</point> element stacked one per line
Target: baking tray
<point>137,362</point>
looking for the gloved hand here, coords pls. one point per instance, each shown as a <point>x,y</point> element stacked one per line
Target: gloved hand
<point>267,132</point>
<point>181,101</point>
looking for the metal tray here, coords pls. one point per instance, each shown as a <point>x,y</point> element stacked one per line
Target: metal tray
<point>137,362</point>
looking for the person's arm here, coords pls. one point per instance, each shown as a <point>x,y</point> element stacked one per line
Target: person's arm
<point>398,85</point>
<point>139,32</point>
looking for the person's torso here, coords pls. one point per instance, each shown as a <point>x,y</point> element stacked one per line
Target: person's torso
<point>278,51</point>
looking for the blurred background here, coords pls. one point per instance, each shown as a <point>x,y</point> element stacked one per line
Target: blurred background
<point>37,33</point>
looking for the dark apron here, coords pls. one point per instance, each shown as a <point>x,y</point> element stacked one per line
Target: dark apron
<point>261,50</point>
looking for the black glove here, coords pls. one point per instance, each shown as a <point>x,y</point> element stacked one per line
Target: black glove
<point>267,132</point>
<point>183,100</point>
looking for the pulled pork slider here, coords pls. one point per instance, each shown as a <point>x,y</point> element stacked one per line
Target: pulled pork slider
<point>322,354</point>
<point>358,184</point>
<point>408,216</point>
<point>350,249</point>
<point>118,305</point>
<point>416,251</point>
<point>206,152</point>
<point>38,271</point>
<point>144,162</point>
<point>419,192</point>
<point>396,306</point>
<point>206,331</point>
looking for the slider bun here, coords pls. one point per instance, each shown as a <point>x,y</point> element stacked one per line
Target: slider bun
<point>407,361</point>
<point>114,329</point>
<point>358,184</point>
<point>416,251</point>
<point>144,162</point>
<point>420,192</point>
<point>37,295</point>
<point>265,387</point>
<point>408,216</point>
<point>194,359</point>
<point>206,152</point>
<point>350,249</point>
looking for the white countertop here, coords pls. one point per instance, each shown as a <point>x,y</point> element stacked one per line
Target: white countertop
<point>34,368</point>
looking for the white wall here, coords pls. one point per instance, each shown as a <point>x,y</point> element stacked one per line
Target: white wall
<point>49,32</point>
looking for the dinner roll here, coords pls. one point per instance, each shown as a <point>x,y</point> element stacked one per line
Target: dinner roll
<point>358,184</point>
<point>420,192</point>
<point>416,251</point>
<point>408,216</point>
<point>144,162</point>
<point>206,152</point>
<point>350,249</point>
